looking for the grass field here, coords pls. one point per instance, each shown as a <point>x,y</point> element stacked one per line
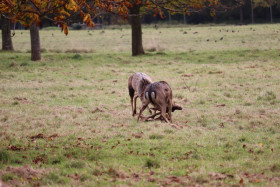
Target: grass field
<point>66,120</point>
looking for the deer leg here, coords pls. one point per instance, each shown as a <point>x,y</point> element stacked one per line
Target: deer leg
<point>131,92</point>
<point>131,102</point>
<point>134,107</point>
<point>152,116</point>
<point>144,106</point>
<point>170,111</point>
<point>150,110</point>
<point>163,113</point>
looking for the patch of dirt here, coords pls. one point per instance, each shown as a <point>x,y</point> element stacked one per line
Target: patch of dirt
<point>25,174</point>
<point>22,100</point>
<point>117,174</point>
<point>254,178</point>
<point>2,184</point>
<point>117,126</point>
<point>138,135</point>
<point>221,105</point>
<point>14,148</point>
<point>75,176</point>
<point>51,137</point>
<point>136,177</point>
<point>174,180</point>
<point>42,136</point>
<point>217,176</point>
<point>259,177</point>
<point>187,75</point>
<point>97,110</point>
<point>25,171</point>
<point>38,136</point>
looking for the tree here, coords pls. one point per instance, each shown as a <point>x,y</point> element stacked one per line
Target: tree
<point>30,13</point>
<point>137,7</point>
<point>136,29</point>
<point>265,4</point>
<point>140,6</point>
<point>7,44</point>
<point>35,42</point>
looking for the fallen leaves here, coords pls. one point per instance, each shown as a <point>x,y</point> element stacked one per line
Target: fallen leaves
<point>75,176</point>
<point>138,135</point>
<point>221,105</point>
<point>22,100</point>
<point>38,136</point>
<point>26,172</point>
<point>39,159</point>
<point>220,176</point>
<point>14,148</point>
<point>42,136</point>
<point>241,181</point>
<point>253,178</point>
<point>97,110</point>
<point>187,75</point>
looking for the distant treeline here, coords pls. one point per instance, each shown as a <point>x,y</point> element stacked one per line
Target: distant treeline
<point>239,15</point>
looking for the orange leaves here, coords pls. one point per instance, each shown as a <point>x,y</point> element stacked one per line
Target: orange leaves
<point>91,24</point>
<point>64,28</point>
<point>241,181</point>
<point>28,12</point>
<point>72,6</point>
<point>85,18</point>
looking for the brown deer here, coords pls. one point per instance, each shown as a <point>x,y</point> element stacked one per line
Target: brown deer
<point>137,82</point>
<point>160,95</point>
<point>174,107</point>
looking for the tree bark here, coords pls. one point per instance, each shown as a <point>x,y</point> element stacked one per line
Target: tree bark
<point>35,43</point>
<point>136,29</point>
<point>7,43</point>
<point>241,15</point>
<point>271,14</point>
<point>185,19</point>
<point>169,18</point>
<point>252,11</point>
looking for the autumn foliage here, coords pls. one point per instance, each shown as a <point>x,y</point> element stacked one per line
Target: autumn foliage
<point>28,12</point>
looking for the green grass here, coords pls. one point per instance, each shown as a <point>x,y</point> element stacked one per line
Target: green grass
<point>228,131</point>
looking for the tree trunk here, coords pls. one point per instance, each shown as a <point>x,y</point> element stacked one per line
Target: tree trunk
<point>169,18</point>
<point>215,18</point>
<point>271,15</point>
<point>136,29</point>
<point>185,19</point>
<point>252,8</point>
<point>241,15</point>
<point>35,43</point>
<point>7,43</point>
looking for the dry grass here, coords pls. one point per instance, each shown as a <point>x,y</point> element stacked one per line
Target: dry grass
<point>70,113</point>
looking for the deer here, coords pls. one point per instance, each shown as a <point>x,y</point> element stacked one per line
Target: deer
<point>159,94</point>
<point>137,82</point>
<point>174,107</point>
